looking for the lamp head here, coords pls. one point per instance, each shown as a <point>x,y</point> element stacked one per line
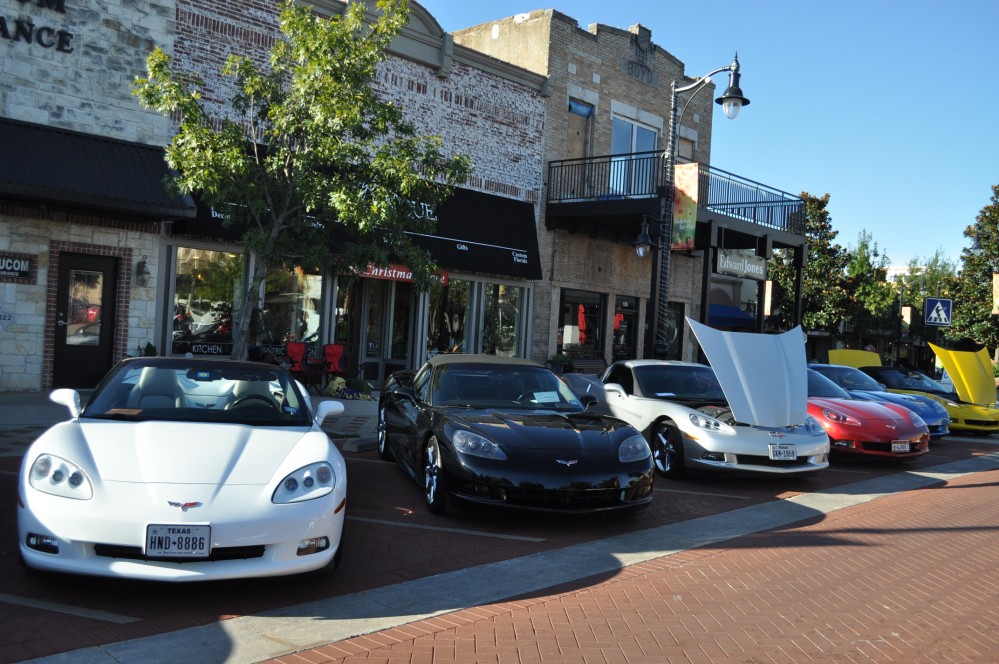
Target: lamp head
<point>732,100</point>
<point>643,242</point>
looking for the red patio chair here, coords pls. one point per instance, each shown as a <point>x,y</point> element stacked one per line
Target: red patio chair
<point>306,370</point>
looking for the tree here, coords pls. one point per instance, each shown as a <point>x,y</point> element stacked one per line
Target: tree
<point>972,290</point>
<point>309,154</point>
<point>823,294</point>
<point>871,305</point>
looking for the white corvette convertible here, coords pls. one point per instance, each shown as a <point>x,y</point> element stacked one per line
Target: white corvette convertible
<point>745,414</point>
<point>184,470</point>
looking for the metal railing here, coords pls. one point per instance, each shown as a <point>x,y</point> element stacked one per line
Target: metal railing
<point>643,175</point>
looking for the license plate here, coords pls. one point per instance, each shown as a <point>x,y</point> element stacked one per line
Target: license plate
<point>178,540</point>
<point>900,446</point>
<point>783,452</point>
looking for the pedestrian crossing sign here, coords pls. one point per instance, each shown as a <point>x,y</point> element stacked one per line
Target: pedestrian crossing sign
<point>938,311</point>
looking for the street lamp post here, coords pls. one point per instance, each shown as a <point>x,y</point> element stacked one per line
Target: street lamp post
<point>731,101</point>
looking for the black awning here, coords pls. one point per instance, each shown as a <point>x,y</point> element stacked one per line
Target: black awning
<point>61,167</point>
<point>479,232</point>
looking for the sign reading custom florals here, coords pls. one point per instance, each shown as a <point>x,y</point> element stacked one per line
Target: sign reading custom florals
<point>684,205</point>
<point>24,31</point>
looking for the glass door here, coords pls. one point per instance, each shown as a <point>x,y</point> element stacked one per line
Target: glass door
<point>387,328</point>
<point>631,174</point>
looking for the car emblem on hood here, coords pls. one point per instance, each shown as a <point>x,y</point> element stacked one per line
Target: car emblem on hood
<point>891,426</point>
<point>777,434</point>
<point>567,462</point>
<point>183,506</point>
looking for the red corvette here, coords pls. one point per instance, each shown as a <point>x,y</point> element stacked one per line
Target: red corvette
<point>865,428</point>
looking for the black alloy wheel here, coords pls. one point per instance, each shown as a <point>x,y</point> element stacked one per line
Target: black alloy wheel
<point>667,449</point>
<point>433,477</point>
<point>383,441</point>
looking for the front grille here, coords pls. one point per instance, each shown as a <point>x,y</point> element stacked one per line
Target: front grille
<point>755,460</point>
<point>575,500</point>
<point>217,554</point>
<point>989,424</point>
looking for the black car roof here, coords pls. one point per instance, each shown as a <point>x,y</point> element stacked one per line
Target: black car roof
<point>461,358</point>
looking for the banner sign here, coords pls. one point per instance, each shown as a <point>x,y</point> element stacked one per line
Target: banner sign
<point>684,205</point>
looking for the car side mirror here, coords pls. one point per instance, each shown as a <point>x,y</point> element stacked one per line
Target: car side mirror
<point>327,409</point>
<point>68,398</point>
<point>614,389</point>
<point>588,400</point>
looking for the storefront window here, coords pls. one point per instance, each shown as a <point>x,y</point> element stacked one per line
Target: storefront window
<point>625,328</point>
<point>502,323</point>
<point>207,288</point>
<point>581,323</point>
<point>291,308</point>
<point>449,302</point>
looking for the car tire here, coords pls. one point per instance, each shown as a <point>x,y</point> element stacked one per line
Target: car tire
<point>383,441</point>
<point>434,490</point>
<point>667,449</point>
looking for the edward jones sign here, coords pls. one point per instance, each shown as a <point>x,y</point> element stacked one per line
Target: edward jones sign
<point>741,264</point>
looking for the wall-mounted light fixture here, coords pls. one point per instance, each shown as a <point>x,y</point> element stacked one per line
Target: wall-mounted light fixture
<point>142,272</point>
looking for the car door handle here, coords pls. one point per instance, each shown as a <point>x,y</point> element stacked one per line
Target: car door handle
<point>61,323</point>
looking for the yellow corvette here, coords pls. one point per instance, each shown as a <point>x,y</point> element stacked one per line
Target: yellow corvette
<point>972,409</point>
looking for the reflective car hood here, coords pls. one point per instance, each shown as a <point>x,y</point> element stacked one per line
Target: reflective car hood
<point>186,453</point>
<point>971,372</point>
<point>923,405</point>
<point>545,429</point>
<point>865,411</point>
<point>763,376</point>
<point>854,358</point>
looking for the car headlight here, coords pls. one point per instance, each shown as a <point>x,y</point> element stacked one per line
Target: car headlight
<point>707,423</point>
<point>634,448</point>
<point>812,426</point>
<point>472,444</point>
<point>916,419</point>
<point>55,475</point>
<point>308,483</point>
<point>839,418</point>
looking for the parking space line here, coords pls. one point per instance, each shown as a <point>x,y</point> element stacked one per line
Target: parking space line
<point>834,469</point>
<point>66,608</point>
<point>703,493</point>
<point>10,472</point>
<point>460,531</point>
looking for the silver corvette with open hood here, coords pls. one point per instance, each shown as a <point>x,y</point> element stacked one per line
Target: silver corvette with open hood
<point>744,414</point>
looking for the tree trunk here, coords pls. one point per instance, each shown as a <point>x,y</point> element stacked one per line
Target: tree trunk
<point>246,314</point>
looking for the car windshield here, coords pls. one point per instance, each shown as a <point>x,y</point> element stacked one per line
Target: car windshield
<point>678,382</point>
<point>904,379</point>
<point>199,391</point>
<point>518,387</point>
<point>850,378</point>
<point>820,386</point>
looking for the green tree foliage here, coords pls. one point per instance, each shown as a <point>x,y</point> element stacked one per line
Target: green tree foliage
<point>824,297</point>
<point>308,152</point>
<point>972,289</point>
<point>872,298</point>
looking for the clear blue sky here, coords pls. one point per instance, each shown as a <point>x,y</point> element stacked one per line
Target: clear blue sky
<point>887,106</point>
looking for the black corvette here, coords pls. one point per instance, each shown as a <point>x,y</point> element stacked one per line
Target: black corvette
<point>506,431</point>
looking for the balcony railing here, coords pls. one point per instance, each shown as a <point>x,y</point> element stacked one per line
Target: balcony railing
<point>643,175</point>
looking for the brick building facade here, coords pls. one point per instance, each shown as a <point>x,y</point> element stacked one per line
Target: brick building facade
<point>80,191</point>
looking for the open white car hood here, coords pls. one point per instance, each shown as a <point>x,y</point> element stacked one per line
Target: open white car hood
<point>763,376</point>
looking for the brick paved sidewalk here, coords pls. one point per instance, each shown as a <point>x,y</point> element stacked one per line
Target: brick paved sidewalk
<point>912,577</point>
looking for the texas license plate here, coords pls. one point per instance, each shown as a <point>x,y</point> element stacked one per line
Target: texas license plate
<point>783,452</point>
<point>178,541</point>
<point>900,446</point>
